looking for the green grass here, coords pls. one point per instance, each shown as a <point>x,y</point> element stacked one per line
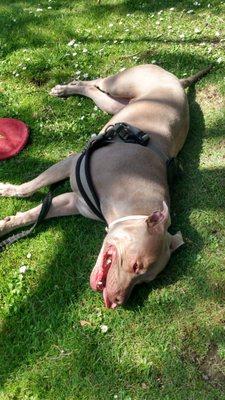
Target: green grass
<point>168,343</point>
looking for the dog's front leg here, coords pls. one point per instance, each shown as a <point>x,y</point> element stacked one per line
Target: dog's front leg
<point>62,205</point>
<point>56,173</point>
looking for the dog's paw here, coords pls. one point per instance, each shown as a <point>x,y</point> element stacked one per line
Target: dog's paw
<point>5,226</point>
<point>8,190</point>
<point>59,91</point>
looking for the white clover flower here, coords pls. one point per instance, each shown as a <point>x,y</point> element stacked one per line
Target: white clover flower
<point>29,255</point>
<point>110,25</point>
<point>217,33</point>
<point>71,43</point>
<point>172,9</point>
<point>85,50</point>
<point>23,269</point>
<point>104,328</point>
<point>85,75</point>
<point>39,9</point>
<point>182,36</point>
<point>220,59</point>
<point>190,11</point>
<point>197,30</point>
<point>81,118</point>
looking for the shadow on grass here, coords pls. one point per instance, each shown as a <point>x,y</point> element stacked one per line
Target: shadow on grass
<point>131,6</point>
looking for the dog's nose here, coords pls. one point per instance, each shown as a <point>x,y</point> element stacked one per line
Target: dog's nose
<point>118,300</point>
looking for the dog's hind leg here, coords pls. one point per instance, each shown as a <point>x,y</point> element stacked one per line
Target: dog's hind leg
<point>113,93</point>
<point>62,205</point>
<point>55,173</point>
<point>104,101</point>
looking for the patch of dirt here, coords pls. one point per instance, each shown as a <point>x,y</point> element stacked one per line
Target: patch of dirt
<point>211,367</point>
<point>210,97</point>
<point>39,81</point>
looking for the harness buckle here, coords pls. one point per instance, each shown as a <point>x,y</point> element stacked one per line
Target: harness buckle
<point>131,134</point>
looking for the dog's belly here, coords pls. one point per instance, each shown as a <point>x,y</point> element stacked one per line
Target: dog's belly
<point>126,176</point>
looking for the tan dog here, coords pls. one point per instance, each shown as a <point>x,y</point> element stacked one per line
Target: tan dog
<point>131,180</point>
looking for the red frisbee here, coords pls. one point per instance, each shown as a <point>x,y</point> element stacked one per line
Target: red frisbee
<point>13,137</point>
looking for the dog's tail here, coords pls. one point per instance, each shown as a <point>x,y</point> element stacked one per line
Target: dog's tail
<point>195,78</point>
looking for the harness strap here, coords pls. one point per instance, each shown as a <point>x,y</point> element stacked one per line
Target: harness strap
<point>86,185</point>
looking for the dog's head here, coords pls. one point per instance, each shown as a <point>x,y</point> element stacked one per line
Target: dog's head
<point>133,252</point>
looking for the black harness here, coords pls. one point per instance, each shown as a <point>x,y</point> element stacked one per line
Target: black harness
<point>128,134</point>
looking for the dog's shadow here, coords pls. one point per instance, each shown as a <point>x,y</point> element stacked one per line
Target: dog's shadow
<point>183,201</point>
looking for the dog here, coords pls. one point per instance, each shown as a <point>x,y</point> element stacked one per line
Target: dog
<point>130,179</point>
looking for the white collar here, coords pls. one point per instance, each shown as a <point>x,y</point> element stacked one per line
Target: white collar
<point>129,217</point>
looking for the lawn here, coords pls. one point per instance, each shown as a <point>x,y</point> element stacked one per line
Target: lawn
<point>168,343</point>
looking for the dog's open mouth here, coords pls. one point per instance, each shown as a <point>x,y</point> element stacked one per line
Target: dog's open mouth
<point>100,272</point>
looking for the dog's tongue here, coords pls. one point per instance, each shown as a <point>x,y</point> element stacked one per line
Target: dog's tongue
<point>107,301</point>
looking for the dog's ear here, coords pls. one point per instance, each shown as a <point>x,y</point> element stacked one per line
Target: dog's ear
<point>176,241</point>
<point>158,219</point>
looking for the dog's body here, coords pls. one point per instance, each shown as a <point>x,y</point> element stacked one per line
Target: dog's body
<point>130,179</point>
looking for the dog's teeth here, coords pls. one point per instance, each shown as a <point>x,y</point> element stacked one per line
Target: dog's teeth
<point>108,261</point>
<point>99,283</point>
